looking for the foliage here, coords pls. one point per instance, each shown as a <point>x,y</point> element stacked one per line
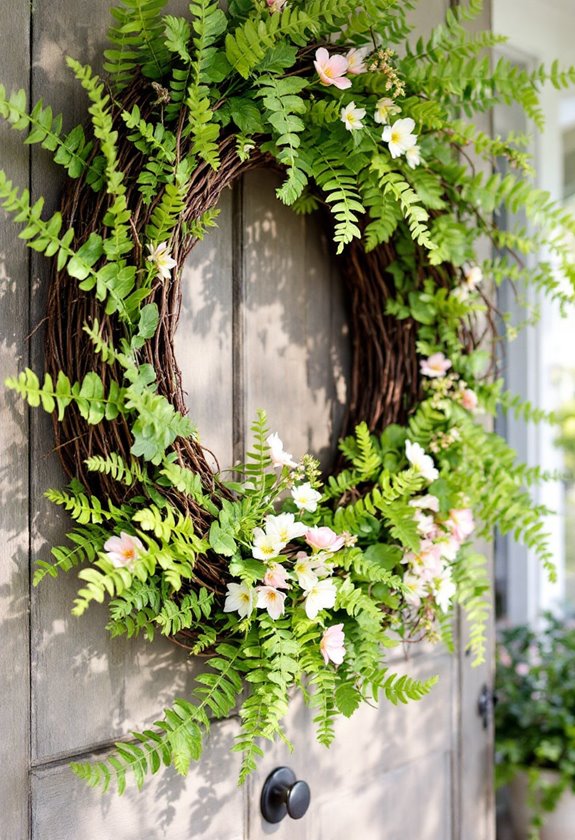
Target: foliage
<point>399,516</point>
<point>535,728</point>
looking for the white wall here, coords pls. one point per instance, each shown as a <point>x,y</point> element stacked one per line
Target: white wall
<point>542,30</point>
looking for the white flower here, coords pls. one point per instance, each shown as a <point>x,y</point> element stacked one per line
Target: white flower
<point>271,600</point>
<point>384,109</point>
<point>421,463</point>
<point>319,597</point>
<point>444,589</point>
<point>285,527</point>
<point>413,156</point>
<point>399,136</point>
<point>427,502</point>
<point>305,497</point>
<point>278,455</point>
<point>240,599</point>
<point>352,117</point>
<point>323,564</point>
<point>426,526</point>
<point>162,259</point>
<point>416,588</point>
<point>356,60</point>
<point>473,276</point>
<point>266,546</point>
<point>305,570</point>
<point>449,547</point>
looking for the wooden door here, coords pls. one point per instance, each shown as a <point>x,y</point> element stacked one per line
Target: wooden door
<point>263,311</point>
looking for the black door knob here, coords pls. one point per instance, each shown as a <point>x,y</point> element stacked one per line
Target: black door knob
<point>486,703</point>
<point>283,794</point>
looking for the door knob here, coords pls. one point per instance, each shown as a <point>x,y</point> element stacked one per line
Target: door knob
<point>283,794</point>
<point>486,702</point>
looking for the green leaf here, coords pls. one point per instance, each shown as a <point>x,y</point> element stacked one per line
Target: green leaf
<point>347,699</point>
<point>149,318</point>
<point>221,541</point>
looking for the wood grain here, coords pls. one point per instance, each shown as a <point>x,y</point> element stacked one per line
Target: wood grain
<point>205,805</point>
<point>295,350</point>
<point>204,341</point>
<point>14,453</point>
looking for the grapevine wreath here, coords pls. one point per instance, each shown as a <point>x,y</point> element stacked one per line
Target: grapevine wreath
<point>281,578</point>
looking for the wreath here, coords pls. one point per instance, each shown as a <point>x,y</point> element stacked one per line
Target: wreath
<point>281,577</point>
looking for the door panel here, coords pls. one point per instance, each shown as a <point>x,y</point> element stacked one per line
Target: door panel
<point>206,804</point>
<point>295,349</point>
<point>204,340</point>
<point>373,753</point>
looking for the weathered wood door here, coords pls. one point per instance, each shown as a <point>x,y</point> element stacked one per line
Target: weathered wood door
<point>263,325</point>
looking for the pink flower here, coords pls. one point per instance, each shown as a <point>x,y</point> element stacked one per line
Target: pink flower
<point>356,60</point>
<point>426,562</point>
<point>332,644</point>
<point>276,5</point>
<point>123,550</point>
<point>435,366</point>
<point>429,561</point>
<point>522,669</point>
<point>324,539</point>
<point>460,523</point>
<point>276,576</point>
<point>331,69</point>
<point>272,600</point>
<point>469,399</point>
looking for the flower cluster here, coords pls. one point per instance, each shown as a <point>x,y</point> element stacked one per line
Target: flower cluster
<point>306,576</point>
<point>445,384</point>
<point>429,569</point>
<point>382,63</point>
<point>335,70</point>
<point>309,576</point>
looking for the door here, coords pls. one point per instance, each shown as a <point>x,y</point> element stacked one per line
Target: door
<point>263,307</point>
